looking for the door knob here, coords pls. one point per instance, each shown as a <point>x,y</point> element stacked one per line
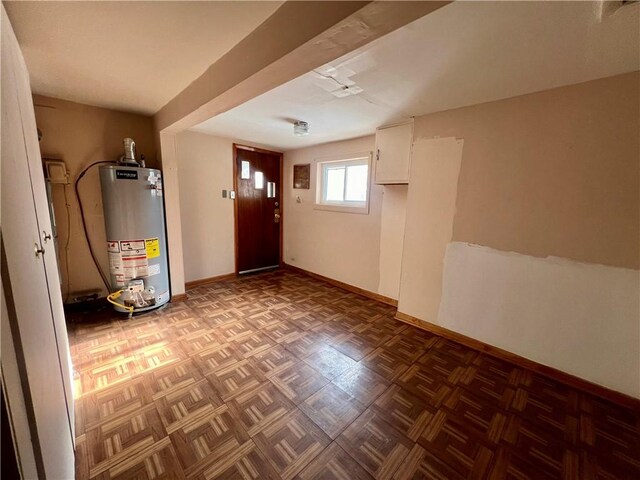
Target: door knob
<point>38,250</point>
<point>46,236</point>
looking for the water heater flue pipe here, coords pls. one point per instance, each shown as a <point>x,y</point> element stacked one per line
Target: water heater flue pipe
<point>129,157</point>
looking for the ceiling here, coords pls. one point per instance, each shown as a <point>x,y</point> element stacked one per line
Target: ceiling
<point>133,56</point>
<point>462,54</point>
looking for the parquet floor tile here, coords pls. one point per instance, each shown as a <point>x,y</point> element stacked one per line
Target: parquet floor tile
<point>355,346</point>
<point>121,399</point>
<point>291,442</point>
<point>246,462</point>
<point>421,464</point>
<point>363,384</point>
<point>375,445</point>
<point>279,375</point>
<point>332,409</point>
<point>179,405</point>
<point>404,411</point>
<point>298,382</point>
<point>330,362</point>
<point>385,363</point>
<point>232,380</point>
<point>259,408</point>
<point>202,437</point>
<point>274,360</point>
<point>217,357</point>
<point>425,384</point>
<point>334,464</point>
<point>305,344</point>
<point>461,447</point>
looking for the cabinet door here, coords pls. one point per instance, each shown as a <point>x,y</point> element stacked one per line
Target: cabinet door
<point>40,203</point>
<point>393,154</point>
<point>25,283</point>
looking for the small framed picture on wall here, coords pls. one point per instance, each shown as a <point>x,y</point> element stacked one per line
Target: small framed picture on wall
<point>301,176</point>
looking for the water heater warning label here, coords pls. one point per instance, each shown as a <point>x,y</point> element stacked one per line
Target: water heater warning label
<point>132,245</point>
<point>152,245</point>
<point>128,259</point>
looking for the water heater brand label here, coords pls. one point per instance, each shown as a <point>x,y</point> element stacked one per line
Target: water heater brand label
<point>127,174</point>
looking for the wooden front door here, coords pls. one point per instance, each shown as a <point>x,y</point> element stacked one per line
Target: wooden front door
<point>258,208</point>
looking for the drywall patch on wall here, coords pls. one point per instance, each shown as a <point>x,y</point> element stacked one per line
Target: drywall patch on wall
<point>577,317</point>
<point>431,201</point>
<point>394,209</point>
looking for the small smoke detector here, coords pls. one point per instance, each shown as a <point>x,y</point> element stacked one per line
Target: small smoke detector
<point>300,129</point>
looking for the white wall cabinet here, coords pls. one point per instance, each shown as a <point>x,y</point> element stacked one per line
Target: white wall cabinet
<point>393,154</point>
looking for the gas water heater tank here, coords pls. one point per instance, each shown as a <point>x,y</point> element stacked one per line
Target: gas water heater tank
<point>136,240</point>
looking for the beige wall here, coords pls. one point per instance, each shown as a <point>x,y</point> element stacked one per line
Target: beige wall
<point>552,173</point>
<point>205,168</point>
<point>79,135</point>
<point>342,246</point>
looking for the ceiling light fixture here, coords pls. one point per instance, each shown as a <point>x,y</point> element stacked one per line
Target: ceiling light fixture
<point>300,129</point>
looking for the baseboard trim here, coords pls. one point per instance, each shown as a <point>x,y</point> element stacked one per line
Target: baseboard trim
<point>549,372</point>
<point>179,298</point>
<point>345,286</point>
<point>206,281</point>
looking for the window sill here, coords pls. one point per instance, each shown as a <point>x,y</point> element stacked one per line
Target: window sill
<point>342,209</point>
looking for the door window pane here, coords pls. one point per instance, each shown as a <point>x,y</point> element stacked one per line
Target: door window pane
<point>245,172</point>
<point>259,180</point>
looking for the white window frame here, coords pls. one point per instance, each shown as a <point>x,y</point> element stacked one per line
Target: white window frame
<point>346,160</point>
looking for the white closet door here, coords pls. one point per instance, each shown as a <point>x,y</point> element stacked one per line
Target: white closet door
<point>34,329</point>
<point>30,132</point>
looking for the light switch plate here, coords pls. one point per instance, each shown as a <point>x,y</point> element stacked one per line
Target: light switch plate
<point>232,194</point>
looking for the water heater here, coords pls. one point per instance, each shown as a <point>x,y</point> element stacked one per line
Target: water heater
<point>136,241</point>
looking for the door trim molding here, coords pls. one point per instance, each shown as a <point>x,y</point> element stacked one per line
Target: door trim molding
<point>240,146</point>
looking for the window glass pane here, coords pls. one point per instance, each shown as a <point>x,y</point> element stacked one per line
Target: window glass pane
<point>356,183</point>
<point>334,189</point>
<point>259,180</point>
<point>245,172</point>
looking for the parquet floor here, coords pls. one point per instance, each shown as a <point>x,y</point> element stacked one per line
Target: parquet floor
<point>282,376</point>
